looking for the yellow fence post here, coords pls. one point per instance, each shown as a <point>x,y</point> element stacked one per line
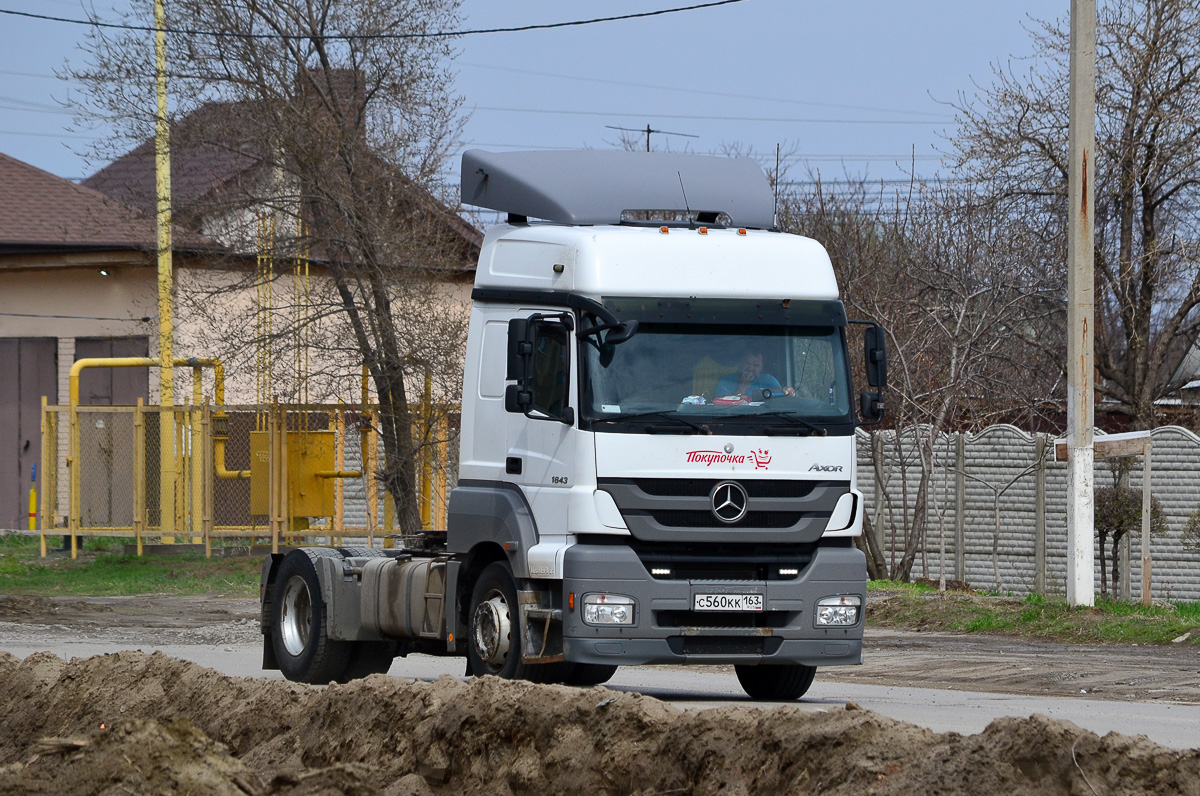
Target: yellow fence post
<point>372,487</point>
<point>204,466</point>
<point>73,501</point>
<point>277,465</point>
<point>339,459</point>
<point>195,457</point>
<point>139,473</point>
<point>442,472</point>
<point>46,478</point>
<point>425,434</point>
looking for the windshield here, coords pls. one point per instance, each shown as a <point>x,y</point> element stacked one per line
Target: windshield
<point>720,377</point>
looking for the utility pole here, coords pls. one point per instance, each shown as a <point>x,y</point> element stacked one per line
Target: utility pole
<point>166,354</point>
<point>1081,589</point>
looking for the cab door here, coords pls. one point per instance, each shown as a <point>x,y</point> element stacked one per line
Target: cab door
<point>541,415</point>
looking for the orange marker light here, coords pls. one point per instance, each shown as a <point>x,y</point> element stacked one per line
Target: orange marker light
<point>703,230</point>
<point>741,231</point>
<point>664,230</point>
<point>571,596</point>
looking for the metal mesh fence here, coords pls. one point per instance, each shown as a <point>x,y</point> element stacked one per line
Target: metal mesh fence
<point>277,474</point>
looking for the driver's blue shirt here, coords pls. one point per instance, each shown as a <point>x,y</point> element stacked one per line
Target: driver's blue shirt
<point>727,385</point>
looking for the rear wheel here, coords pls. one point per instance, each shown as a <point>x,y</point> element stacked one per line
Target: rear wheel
<point>299,627</point>
<point>776,682</point>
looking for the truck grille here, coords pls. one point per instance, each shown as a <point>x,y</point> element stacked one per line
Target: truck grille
<point>704,519</point>
<point>722,562</point>
<point>668,509</point>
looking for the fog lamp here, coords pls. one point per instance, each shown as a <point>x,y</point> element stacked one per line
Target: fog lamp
<point>608,609</point>
<point>840,611</point>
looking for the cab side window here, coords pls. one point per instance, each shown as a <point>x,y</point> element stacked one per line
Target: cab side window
<point>550,369</point>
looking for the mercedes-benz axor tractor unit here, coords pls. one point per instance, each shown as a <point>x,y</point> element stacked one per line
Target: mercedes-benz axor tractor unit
<point>657,461</point>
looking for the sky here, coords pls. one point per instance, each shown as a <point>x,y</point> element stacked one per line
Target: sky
<point>857,87</point>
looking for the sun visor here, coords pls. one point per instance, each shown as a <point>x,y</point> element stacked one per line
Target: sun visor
<point>596,187</point>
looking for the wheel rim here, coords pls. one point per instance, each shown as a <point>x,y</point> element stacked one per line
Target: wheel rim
<point>492,629</point>
<point>296,617</point>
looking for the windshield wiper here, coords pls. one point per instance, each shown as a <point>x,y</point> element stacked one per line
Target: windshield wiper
<point>663,414</point>
<point>797,422</point>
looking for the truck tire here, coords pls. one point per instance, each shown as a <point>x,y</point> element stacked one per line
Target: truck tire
<point>776,682</point>
<point>586,674</point>
<point>494,640</point>
<point>369,657</point>
<point>299,626</point>
<point>361,552</point>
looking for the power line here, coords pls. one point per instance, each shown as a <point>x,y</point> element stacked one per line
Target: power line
<point>798,158</point>
<point>18,109</point>
<point>368,36</point>
<point>30,103</point>
<point>28,74</point>
<point>48,135</point>
<point>684,90</point>
<point>700,117</point>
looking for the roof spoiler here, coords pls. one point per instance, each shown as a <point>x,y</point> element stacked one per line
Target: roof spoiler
<point>596,187</point>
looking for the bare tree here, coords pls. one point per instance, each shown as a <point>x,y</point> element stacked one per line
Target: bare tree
<point>1014,133</point>
<point>346,112</point>
<point>946,270</point>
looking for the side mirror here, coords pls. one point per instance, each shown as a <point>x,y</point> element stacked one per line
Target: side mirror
<point>870,406</point>
<point>520,350</point>
<point>517,399</point>
<point>538,361</point>
<point>875,353</point>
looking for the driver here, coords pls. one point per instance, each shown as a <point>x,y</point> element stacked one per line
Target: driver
<point>749,380</point>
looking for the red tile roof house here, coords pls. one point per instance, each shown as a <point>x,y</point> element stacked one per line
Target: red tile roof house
<point>78,278</point>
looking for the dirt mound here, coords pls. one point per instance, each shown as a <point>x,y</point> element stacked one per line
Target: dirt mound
<point>174,727</point>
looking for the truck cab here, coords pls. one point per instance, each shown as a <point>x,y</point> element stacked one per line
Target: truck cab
<point>658,429</point>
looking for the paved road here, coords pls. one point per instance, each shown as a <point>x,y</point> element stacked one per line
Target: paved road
<point>942,710</point>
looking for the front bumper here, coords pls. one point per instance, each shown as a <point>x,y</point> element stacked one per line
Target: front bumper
<point>666,630</point>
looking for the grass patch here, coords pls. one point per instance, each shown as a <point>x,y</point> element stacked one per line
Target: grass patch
<point>1038,617</point>
<point>103,569</point>
<point>900,586</point>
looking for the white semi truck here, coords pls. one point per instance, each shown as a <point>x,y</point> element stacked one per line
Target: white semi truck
<point>657,450</point>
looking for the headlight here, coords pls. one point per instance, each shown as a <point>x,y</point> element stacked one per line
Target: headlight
<point>840,611</point>
<point>607,609</point>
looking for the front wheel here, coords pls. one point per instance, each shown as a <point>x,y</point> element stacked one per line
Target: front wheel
<point>586,674</point>
<point>775,682</point>
<point>299,628</point>
<point>496,642</point>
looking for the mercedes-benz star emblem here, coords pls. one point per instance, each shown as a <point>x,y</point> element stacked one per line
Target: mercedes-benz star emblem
<point>729,502</point>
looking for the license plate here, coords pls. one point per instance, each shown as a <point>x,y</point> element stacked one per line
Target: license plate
<point>727,602</point>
